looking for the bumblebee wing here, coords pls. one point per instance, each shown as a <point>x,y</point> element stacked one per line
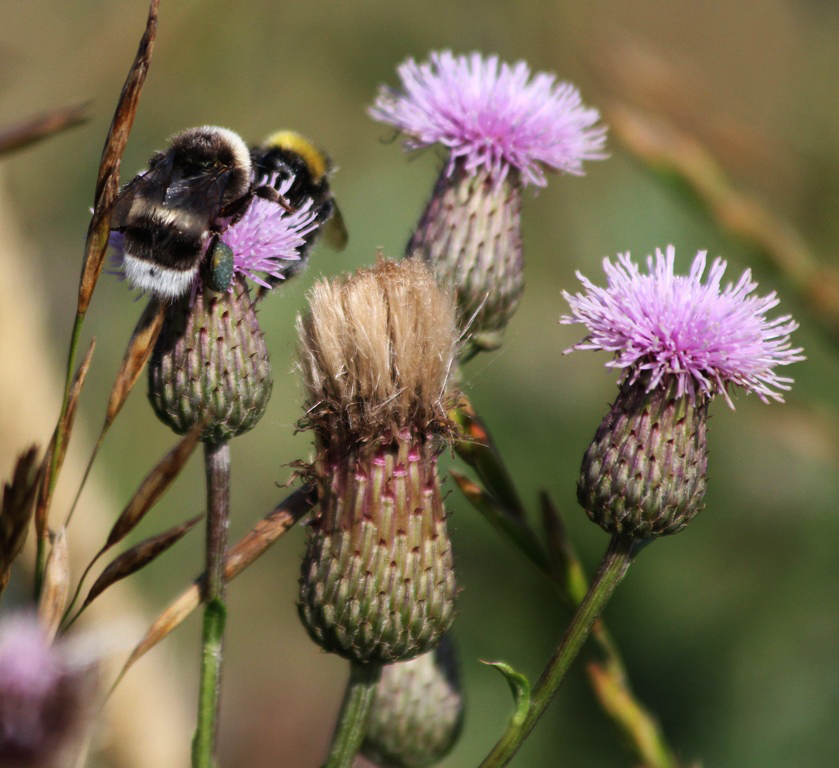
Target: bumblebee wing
<point>146,190</point>
<point>202,196</point>
<point>334,231</point>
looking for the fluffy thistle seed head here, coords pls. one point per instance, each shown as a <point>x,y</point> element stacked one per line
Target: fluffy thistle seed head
<point>376,351</point>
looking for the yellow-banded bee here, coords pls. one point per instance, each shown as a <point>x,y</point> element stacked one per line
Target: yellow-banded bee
<point>288,155</point>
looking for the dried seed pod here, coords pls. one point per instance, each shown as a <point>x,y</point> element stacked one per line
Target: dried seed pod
<point>377,350</point>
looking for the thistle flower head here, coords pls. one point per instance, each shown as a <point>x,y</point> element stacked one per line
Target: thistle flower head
<point>46,697</point>
<point>707,338</point>
<point>268,238</point>
<point>266,242</point>
<point>377,351</point>
<point>492,116</point>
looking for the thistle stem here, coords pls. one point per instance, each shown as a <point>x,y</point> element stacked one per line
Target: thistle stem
<point>619,556</point>
<point>217,466</point>
<point>355,711</point>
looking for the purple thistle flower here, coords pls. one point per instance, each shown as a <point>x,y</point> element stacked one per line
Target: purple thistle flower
<point>665,326</point>
<point>46,697</point>
<point>267,239</point>
<point>493,116</point>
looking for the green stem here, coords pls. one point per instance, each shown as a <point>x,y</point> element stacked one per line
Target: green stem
<point>619,556</point>
<point>41,548</point>
<point>355,711</point>
<point>217,466</point>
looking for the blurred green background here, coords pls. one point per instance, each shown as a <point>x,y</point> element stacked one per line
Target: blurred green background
<point>731,629</point>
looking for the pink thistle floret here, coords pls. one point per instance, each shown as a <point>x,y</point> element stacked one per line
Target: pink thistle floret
<point>267,235</point>
<point>493,116</point>
<point>664,325</point>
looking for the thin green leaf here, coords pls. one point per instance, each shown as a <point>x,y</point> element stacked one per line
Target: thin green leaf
<point>520,687</point>
<point>512,527</point>
<point>567,568</point>
<point>478,450</point>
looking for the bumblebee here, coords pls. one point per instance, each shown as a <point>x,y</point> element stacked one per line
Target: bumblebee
<point>288,155</point>
<point>169,213</point>
<point>172,214</point>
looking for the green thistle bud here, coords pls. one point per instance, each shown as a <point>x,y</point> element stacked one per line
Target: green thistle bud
<point>644,473</point>
<point>470,235</point>
<point>418,713</point>
<point>210,363</point>
<point>377,583</point>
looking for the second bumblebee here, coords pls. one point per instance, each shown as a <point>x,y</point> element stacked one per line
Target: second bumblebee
<point>288,155</point>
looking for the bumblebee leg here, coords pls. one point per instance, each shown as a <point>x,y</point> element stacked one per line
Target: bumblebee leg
<point>269,193</point>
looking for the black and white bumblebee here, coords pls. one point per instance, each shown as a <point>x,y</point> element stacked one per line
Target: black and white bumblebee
<point>171,215</point>
<point>168,213</point>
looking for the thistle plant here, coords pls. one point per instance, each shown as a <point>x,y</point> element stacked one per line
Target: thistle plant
<point>378,352</point>
<point>502,130</point>
<point>417,714</point>
<point>377,584</point>
<point>678,341</point>
<point>210,371</point>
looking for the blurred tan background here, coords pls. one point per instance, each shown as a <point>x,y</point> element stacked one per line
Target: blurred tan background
<point>731,629</point>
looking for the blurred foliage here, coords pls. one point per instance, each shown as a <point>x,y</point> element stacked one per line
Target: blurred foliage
<point>730,630</point>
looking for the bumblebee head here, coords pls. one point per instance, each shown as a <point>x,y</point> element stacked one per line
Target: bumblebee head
<point>317,163</point>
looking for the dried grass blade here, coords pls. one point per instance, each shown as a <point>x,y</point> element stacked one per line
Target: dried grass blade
<point>239,557</point>
<point>16,510</point>
<point>65,426</point>
<point>152,488</point>
<point>139,349</point>
<point>50,467</point>
<point>138,557</point>
<point>56,587</point>
<point>42,127</point>
<point>107,182</point>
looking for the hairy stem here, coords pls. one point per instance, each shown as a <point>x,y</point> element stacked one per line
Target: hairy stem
<point>355,711</point>
<point>619,556</point>
<point>217,466</point>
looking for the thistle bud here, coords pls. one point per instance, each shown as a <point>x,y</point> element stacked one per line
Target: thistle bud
<point>210,364</point>
<point>470,235</point>
<point>418,713</point>
<point>377,350</point>
<point>644,474</point>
